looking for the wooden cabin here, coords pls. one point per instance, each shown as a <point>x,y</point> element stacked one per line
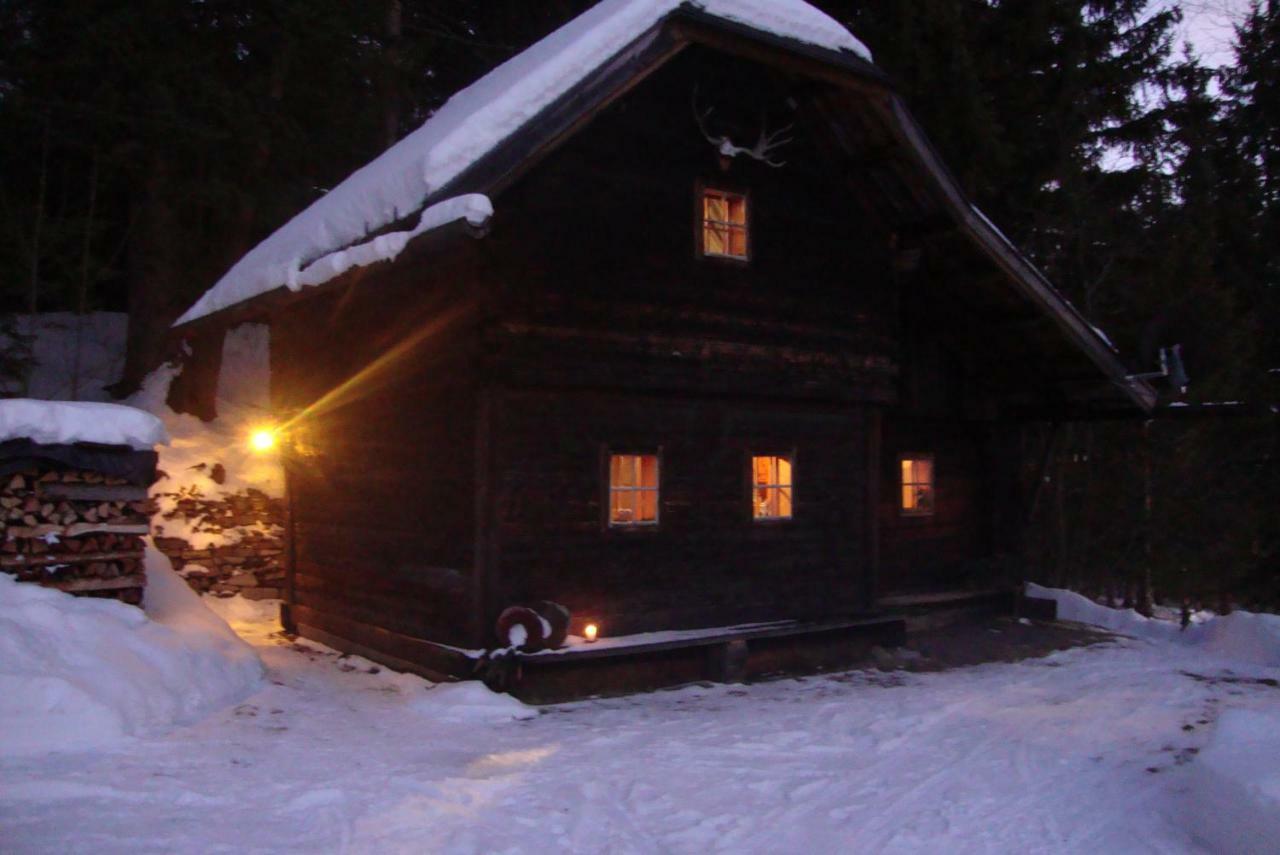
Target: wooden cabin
<point>729,347</point>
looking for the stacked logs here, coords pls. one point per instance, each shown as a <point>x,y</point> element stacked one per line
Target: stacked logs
<point>244,551</point>
<point>76,530</point>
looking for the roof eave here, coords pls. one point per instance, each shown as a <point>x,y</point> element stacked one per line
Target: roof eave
<point>1025,275</point>
<point>261,307</point>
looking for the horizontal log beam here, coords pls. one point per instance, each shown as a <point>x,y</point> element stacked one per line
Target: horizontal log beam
<point>137,580</point>
<point>66,558</point>
<point>77,529</point>
<point>92,492</point>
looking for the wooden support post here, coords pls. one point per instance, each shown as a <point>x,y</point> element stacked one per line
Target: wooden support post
<point>727,662</point>
<point>1144,604</point>
<point>875,420</point>
<point>484,555</point>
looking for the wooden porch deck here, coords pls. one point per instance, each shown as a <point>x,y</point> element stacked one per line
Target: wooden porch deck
<point>721,654</point>
<point>613,666</point>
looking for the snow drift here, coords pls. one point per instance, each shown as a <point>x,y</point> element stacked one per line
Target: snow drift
<point>470,701</point>
<point>1234,801</point>
<point>81,673</point>
<point>1242,636</point>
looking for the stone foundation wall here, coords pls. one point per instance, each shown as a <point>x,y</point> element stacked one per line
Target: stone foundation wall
<point>225,546</point>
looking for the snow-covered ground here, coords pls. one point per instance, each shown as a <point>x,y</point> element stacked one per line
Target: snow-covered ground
<point>1135,746</point>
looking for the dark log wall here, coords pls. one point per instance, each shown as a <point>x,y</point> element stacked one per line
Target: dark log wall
<point>707,562</point>
<point>938,389</point>
<point>941,550</point>
<point>612,334</point>
<point>382,470</point>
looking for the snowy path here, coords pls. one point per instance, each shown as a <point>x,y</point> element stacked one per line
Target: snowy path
<point>1049,755</point>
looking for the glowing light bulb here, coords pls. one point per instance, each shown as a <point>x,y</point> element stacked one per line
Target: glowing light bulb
<point>590,631</point>
<point>262,440</point>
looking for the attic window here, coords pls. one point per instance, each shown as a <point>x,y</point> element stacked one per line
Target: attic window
<point>917,485</point>
<point>771,487</point>
<point>633,489</point>
<point>724,224</point>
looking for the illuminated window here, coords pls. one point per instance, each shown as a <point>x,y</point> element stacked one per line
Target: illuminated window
<point>724,224</point>
<point>771,488</point>
<point>917,484</point>
<point>633,489</point>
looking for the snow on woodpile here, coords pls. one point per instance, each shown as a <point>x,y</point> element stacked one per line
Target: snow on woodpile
<point>80,673</point>
<point>68,422</point>
<point>334,233</point>
<point>1242,636</point>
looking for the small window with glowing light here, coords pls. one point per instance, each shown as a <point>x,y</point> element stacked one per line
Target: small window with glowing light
<point>771,488</point>
<point>724,224</point>
<point>917,485</point>
<point>633,489</point>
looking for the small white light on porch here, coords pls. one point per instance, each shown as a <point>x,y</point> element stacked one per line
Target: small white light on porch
<point>590,631</point>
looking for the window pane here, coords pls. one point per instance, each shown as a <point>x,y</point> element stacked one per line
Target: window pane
<point>924,499</point>
<point>715,240</point>
<point>648,464</point>
<point>917,485</point>
<point>648,506</point>
<point>623,507</point>
<point>633,488</point>
<point>737,209</point>
<point>771,487</point>
<point>715,208</point>
<point>724,223</point>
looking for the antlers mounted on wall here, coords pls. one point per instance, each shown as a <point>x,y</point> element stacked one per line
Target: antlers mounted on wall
<point>767,144</point>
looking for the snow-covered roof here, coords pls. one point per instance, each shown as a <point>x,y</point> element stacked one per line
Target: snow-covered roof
<point>332,235</point>
<point>68,422</point>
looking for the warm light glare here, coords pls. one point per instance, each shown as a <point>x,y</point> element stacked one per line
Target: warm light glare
<point>590,631</point>
<point>263,440</point>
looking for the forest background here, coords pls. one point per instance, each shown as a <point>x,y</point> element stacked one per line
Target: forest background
<point>145,146</point>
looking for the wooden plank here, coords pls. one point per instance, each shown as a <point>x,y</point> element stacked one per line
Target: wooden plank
<point>93,492</point>
<point>65,558</point>
<point>781,629</point>
<point>77,529</point>
<point>77,585</point>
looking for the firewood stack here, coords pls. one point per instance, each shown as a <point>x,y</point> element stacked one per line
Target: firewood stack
<point>74,529</point>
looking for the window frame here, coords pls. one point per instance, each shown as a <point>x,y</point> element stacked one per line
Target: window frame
<point>932,484</point>
<point>701,188</point>
<point>606,474</point>
<point>750,479</point>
